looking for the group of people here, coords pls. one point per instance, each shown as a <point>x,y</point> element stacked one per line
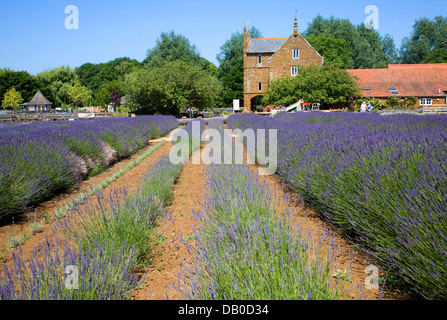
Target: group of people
<point>366,107</point>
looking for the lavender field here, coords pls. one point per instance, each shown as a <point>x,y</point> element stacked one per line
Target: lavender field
<point>382,179</point>
<point>39,160</point>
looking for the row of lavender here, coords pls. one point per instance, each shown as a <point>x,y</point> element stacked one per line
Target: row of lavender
<point>104,243</point>
<point>40,159</point>
<point>247,247</point>
<point>383,179</point>
<point>96,250</point>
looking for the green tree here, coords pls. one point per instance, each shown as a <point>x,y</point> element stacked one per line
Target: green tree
<point>426,37</point>
<point>233,84</point>
<point>389,50</point>
<point>172,47</point>
<point>170,88</point>
<point>136,86</point>
<point>436,56</point>
<point>327,85</point>
<point>103,94</point>
<point>368,48</point>
<point>56,84</point>
<point>233,50</point>
<point>80,95</point>
<point>335,51</point>
<point>93,76</point>
<point>12,99</point>
<point>22,81</point>
<point>231,66</point>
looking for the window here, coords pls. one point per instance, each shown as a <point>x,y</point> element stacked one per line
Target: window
<point>260,86</point>
<point>426,102</point>
<point>296,53</point>
<point>294,71</point>
<point>260,59</point>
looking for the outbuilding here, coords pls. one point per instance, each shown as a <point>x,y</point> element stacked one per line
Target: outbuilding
<point>39,103</point>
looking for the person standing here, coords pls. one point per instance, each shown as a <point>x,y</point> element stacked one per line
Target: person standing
<point>363,107</point>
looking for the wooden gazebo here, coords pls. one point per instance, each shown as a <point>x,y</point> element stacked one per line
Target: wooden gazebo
<point>39,103</point>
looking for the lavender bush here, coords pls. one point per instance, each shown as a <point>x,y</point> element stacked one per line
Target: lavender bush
<point>248,248</point>
<point>41,159</point>
<point>383,179</point>
<point>106,243</point>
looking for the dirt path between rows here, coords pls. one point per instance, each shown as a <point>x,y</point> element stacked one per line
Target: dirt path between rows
<point>131,179</point>
<point>169,254</point>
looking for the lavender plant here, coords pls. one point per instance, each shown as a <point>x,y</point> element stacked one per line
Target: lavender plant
<point>39,160</point>
<point>380,178</point>
<point>105,243</point>
<point>248,248</point>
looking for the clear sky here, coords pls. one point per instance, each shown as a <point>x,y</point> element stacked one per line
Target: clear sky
<point>33,36</point>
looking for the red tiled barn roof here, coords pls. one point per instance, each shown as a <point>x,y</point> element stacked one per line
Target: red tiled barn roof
<point>418,80</point>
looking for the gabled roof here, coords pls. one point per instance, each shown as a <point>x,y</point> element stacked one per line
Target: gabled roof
<point>302,38</point>
<point>39,99</point>
<point>421,80</point>
<point>265,45</point>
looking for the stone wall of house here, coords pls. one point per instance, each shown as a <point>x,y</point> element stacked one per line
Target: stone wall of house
<point>275,65</point>
<point>282,61</point>
<point>255,73</point>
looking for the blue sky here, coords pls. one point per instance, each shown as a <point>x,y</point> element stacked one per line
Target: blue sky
<point>33,36</point>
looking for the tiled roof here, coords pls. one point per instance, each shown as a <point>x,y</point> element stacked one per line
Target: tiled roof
<point>265,45</point>
<point>422,80</point>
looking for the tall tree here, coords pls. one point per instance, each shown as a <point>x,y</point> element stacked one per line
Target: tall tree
<point>56,84</point>
<point>335,51</point>
<point>233,50</point>
<point>104,93</point>
<point>426,37</point>
<point>170,88</point>
<point>233,84</point>
<point>172,47</point>
<point>231,66</point>
<point>12,99</point>
<point>436,56</point>
<point>327,85</point>
<point>22,81</point>
<point>369,50</point>
<point>93,76</point>
<point>80,96</point>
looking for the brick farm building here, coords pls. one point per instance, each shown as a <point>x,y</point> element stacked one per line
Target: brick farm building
<point>266,59</point>
<point>425,82</point>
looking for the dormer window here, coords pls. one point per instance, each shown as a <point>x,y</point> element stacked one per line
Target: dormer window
<point>296,53</point>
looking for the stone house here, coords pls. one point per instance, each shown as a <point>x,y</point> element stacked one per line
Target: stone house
<point>266,59</point>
